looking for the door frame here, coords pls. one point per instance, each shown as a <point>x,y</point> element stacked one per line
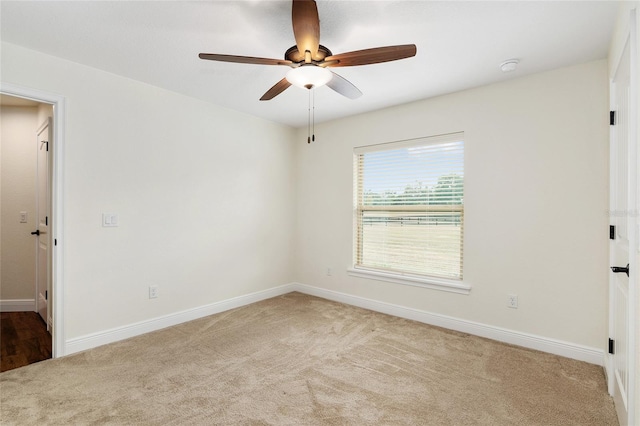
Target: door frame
<point>57,206</point>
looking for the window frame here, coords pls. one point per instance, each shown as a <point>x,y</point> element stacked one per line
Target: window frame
<point>400,277</point>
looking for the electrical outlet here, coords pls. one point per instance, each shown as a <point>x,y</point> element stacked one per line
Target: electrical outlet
<point>109,219</point>
<point>153,291</point>
<point>329,271</point>
<point>512,301</point>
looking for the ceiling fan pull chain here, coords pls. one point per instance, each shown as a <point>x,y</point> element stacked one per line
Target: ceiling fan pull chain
<point>313,117</point>
<point>309,118</point>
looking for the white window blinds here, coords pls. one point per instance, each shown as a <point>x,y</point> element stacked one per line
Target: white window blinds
<point>409,210</point>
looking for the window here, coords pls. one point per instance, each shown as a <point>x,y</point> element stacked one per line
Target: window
<point>409,211</point>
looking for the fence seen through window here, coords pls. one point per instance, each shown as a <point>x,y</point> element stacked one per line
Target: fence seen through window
<point>409,212</point>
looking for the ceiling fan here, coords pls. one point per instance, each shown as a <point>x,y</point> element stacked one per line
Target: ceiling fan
<point>309,59</point>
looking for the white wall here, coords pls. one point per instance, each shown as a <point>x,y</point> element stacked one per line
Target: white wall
<point>204,196</point>
<point>536,196</point>
<point>18,125</point>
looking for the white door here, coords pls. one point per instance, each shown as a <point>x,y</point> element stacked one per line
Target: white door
<point>44,144</point>
<point>623,243</point>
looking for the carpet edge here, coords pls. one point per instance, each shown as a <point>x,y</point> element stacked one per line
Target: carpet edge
<point>89,341</point>
<point>526,340</point>
<point>518,338</point>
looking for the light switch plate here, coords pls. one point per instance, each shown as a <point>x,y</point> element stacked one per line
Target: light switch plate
<point>24,217</point>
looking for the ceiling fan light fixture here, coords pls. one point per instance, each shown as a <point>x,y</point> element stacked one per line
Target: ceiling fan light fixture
<point>308,76</point>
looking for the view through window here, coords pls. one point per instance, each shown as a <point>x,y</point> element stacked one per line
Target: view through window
<point>409,207</point>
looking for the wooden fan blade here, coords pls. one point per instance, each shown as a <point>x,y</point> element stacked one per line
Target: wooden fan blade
<point>243,59</point>
<point>306,27</point>
<point>371,56</point>
<point>344,87</point>
<point>277,88</point>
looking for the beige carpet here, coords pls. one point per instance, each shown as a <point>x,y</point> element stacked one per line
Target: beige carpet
<point>301,360</point>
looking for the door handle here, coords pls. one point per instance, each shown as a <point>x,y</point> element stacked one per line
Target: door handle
<point>36,232</point>
<point>618,269</point>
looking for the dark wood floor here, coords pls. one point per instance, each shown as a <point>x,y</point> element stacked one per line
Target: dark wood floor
<point>24,339</point>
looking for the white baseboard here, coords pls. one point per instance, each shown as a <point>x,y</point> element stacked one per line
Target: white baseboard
<point>120,333</point>
<point>18,305</point>
<point>544,344</point>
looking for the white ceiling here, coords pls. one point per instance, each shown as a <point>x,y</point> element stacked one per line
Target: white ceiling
<point>460,45</point>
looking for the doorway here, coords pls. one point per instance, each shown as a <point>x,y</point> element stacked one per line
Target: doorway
<point>49,284</point>
<point>25,279</point>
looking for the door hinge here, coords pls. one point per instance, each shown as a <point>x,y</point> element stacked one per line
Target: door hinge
<point>46,220</point>
<point>55,241</point>
<point>612,346</point>
<point>46,295</point>
<point>47,146</point>
<point>612,232</point>
<point>612,119</point>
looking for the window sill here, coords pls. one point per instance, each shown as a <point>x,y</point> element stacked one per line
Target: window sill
<point>442,284</point>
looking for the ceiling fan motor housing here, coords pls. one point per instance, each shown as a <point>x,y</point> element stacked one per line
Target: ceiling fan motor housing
<point>292,54</point>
